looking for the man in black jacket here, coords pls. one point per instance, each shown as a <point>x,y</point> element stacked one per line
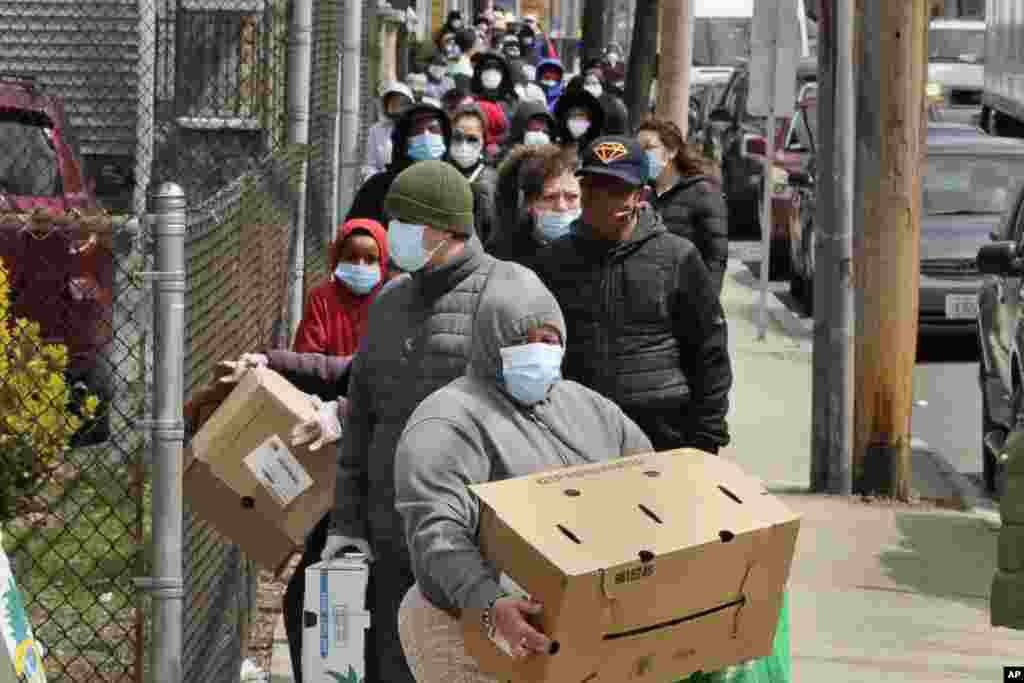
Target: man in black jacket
<point>647,328</point>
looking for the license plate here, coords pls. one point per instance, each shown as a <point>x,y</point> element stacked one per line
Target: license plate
<point>961,307</point>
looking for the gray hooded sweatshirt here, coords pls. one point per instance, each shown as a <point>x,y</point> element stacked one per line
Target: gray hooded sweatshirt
<point>471,431</point>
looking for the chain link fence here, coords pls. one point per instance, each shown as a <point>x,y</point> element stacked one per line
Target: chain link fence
<point>101,101</point>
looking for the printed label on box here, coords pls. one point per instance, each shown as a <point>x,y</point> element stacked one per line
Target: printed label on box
<point>278,470</point>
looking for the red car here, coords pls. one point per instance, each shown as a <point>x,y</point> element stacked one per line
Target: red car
<point>61,278</point>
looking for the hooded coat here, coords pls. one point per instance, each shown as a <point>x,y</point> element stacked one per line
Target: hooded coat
<point>650,330</point>
<point>335,317</point>
<point>579,98</point>
<point>505,94</point>
<point>417,340</point>
<point>616,113</point>
<point>515,239</point>
<point>369,201</point>
<point>553,93</point>
<point>472,431</point>
<point>525,112</point>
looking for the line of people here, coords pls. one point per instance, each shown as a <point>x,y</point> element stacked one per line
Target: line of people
<point>542,299</point>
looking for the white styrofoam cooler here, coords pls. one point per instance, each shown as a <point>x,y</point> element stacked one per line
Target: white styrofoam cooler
<point>335,621</point>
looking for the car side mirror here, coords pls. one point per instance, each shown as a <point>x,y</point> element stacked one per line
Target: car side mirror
<point>800,179</point>
<point>720,116</point>
<point>1000,258</point>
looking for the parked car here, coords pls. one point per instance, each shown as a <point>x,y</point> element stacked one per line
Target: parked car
<point>969,179</point>
<point>1000,302</point>
<point>956,69</point>
<point>64,280</point>
<point>703,97</point>
<point>741,138</point>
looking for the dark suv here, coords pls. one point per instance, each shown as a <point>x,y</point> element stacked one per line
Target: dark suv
<point>60,278</point>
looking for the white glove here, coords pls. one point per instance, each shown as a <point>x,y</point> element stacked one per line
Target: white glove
<point>322,430</point>
<point>236,369</point>
<point>337,543</point>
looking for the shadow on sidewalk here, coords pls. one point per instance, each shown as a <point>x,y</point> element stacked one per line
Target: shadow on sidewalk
<point>944,556</point>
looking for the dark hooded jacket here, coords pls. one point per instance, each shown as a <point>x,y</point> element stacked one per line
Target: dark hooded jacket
<point>472,431</point>
<point>505,93</point>
<point>648,330</point>
<point>695,208</point>
<point>369,201</point>
<point>616,113</point>
<point>554,92</point>
<point>579,98</point>
<point>525,112</point>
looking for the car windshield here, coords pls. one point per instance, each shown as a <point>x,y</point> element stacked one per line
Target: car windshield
<point>966,184</point>
<point>28,158</point>
<point>956,45</point>
<point>720,40</point>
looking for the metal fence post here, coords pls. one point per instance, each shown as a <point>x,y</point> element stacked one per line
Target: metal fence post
<point>168,434</point>
<point>300,68</point>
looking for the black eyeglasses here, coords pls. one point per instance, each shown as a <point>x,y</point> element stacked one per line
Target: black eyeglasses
<point>458,136</point>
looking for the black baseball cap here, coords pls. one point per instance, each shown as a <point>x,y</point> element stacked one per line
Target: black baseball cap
<point>618,156</point>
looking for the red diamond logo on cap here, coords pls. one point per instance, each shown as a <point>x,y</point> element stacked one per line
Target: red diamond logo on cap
<point>608,152</point>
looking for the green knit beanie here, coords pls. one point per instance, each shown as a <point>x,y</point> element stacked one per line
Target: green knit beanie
<point>432,193</point>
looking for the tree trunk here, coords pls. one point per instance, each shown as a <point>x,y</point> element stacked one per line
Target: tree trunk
<point>594,14</point>
<point>642,57</point>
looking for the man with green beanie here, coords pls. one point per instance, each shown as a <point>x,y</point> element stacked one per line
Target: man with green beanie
<point>417,340</point>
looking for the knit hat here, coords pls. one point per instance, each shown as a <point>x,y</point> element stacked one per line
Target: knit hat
<point>432,193</point>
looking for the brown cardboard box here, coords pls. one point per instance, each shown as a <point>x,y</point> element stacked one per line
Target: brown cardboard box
<point>649,567</point>
<point>246,479</point>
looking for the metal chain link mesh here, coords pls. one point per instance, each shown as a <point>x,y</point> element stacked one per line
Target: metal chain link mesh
<point>101,101</point>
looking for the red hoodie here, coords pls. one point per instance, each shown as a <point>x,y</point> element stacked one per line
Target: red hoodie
<point>335,318</point>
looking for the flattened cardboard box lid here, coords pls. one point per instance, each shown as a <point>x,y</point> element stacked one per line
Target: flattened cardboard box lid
<point>589,518</point>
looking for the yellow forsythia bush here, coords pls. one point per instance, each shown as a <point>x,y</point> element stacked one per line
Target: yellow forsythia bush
<point>36,424</point>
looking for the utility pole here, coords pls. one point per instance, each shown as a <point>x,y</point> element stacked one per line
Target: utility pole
<point>673,101</point>
<point>832,392</point>
<point>890,150</point>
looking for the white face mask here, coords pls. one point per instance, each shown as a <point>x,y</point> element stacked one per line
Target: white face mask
<point>578,127</point>
<point>536,137</point>
<point>465,154</point>
<point>491,78</point>
<point>594,89</point>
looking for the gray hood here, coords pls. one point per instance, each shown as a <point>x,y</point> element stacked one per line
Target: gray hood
<point>514,301</point>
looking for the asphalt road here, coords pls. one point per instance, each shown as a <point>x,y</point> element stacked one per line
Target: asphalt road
<point>947,401</point>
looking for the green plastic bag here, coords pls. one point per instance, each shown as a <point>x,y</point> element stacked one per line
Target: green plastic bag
<point>775,668</point>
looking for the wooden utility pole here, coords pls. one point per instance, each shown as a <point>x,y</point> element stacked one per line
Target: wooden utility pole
<point>640,72</point>
<point>890,154</point>
<point>674,64</point>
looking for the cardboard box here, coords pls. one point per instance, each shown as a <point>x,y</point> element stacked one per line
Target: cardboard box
<point>335,621</point>
<point>649,567</point>
<point>244,478</point>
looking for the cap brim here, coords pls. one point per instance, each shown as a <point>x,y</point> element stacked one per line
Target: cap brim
<point>600,170</point>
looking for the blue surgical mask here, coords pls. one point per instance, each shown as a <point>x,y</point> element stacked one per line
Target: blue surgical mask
<point>536,137</point>
<point>360,279</point>
<point>427,146</point>
<point>553,225</point>
<point>529,370</point>
<point>655,164</point>
<point>406,243</point>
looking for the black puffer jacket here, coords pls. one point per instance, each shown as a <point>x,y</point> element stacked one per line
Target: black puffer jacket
<point>369,201</point>
<point>483,180</point>
<point>646,330</point>
<point>579,98</point>
<point>695,208</point>
<point>527,111</point>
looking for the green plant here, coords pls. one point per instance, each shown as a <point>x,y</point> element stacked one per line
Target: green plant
<point>36,424</point>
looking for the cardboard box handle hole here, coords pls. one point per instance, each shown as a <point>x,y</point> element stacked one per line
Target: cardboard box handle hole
<point>652,473</point>
<point>726,536</point>
<point>248,503</point>
<point>572,493</point>
<point>729,493</point>
<point>570,535</point>
<point>650,513</point>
